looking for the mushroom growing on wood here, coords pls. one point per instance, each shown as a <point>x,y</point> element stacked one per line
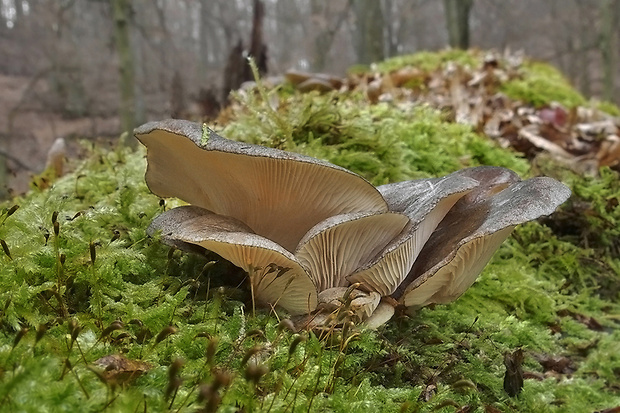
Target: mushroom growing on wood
<point>314,237</point>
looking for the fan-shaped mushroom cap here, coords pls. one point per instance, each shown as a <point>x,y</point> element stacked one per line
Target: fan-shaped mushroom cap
<point>337,246</point>
<point>491,180</point>
<point>425,202</point>
<point>275,274</point>
<point>280,195</point>
<point>471,232</point>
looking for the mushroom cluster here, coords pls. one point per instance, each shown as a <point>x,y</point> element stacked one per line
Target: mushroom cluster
<point>311,234</point>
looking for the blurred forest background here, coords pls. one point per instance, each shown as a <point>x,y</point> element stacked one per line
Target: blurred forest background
<point>95,68</point>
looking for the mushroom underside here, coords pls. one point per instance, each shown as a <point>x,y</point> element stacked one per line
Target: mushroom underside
<point>275,275</point>
<point>470,233</point>
<point>257,185</point>
<point>413,243</point>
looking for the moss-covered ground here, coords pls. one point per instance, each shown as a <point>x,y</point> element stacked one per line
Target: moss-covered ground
<point>80,280</point>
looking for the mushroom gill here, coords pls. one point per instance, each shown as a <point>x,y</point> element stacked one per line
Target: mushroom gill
<point>316,238</point>
<point>280,195</point>
<point>276,276</point>
<point>470,234</point>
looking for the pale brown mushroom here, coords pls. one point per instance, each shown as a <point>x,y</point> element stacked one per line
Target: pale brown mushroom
<point>280,195</point>
<point>276,277</point>
<point>360,304</point>
<point>311,233</point>
<point>425,202</point>
<point>382,314</point>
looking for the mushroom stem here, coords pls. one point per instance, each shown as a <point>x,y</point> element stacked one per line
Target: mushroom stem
<point>251,275</point>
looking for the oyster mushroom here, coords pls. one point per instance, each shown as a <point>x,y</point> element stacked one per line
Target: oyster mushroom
<point>272,269</point>
<point>473,230</point>
<point>314,236</point>
<point>263,187</point>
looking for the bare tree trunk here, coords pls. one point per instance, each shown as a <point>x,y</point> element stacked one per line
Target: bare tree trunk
<point>122,18</point>
<point>369,44</point>
<point>237,68</point>
<point>66,77</point>
<point>325,31</point>
<point>457,22</point>
<point>4,174</point>
<point>234,72</point>
<point>583,60</point>
<point>609,13</point>
<point>287,15</point>
<point>391,28</point>
<point>321,39</point>
<point>177,96</point>
<point>203,41</point>
<point>258,48</point>
<point>140,75</point>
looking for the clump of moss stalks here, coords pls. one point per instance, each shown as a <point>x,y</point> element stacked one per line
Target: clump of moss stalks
<point>95,315</point>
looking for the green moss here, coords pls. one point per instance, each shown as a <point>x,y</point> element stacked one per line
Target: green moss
<point>358,69</point>
<point>429,61</point>
<point>381,142</point>
<point>607,107</point>
<point>540,84</point>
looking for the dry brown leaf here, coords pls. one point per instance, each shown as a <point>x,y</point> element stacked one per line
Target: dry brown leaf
<point>513,378</point>
<point>557,364</point>
<point>118,369</point>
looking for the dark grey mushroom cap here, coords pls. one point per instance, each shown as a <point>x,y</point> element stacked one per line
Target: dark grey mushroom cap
<point>471,232</point>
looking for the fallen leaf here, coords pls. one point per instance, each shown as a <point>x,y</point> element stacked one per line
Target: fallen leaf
<point>428,393</point>
<point>119,369</point>
<point>471,95</point>
<point>533,375</point>
<point>590,322</point>
<point>558,364</point>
